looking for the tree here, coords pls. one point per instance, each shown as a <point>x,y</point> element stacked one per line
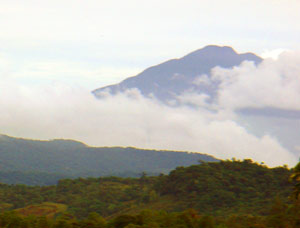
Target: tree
<point>295,177</point>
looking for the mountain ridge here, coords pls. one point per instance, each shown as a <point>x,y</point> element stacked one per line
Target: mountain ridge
<point>68,158</point>
<point>173,77</point>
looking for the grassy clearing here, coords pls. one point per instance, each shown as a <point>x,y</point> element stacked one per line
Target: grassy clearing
<point>45,209</point>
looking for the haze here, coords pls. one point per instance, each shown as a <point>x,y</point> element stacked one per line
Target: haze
<point>53,53</point>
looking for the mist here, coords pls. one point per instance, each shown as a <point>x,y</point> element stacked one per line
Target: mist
<point>129,119</point>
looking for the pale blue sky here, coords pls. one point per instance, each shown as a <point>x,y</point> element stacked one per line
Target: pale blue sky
<point>92,43</point>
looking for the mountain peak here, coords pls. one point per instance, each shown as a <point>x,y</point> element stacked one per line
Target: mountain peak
<point>212,51</point>
<point>218,48</point>
<point>169,79</point>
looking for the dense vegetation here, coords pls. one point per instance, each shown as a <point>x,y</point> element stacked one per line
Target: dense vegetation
<point>226,194</point>
<point>214,188</point>
<point>280,216</point>
<point>227,187</point>
<point>35,162</point>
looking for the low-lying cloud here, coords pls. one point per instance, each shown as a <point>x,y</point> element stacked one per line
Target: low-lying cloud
<point>129,120</point>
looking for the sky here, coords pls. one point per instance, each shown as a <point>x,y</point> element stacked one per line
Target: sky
<point>53,53</point>
<point>93,43</point>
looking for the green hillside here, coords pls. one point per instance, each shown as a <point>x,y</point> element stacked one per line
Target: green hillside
<point>45,162</point>
<point>216,188</point>
<point>226,194</point>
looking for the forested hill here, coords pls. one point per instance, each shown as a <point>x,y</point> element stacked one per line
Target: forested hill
<point>44,162</point>
<point>216,188</point>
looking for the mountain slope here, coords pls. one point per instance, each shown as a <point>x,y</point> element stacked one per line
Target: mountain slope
<point>187,81</point>
<point>169,79</point>
<point>66,158</point>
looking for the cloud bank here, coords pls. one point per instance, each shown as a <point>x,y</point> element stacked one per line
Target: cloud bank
<point>129,119</point>
<point>274,83</point>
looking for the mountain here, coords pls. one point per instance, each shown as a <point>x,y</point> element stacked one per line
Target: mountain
<point>171,78</point>
<point>22,160</point>
<point>183,81</point>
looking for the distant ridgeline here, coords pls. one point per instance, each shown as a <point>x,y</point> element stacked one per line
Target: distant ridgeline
<point>36,162</point>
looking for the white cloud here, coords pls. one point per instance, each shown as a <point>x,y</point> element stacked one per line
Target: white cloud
<point>193,98</point>
<point>88,43</point>
<point>46,111</point>
<point>128,120</point>
<point>201,80</point>
<point>273,83</point>
<point>274,54</point>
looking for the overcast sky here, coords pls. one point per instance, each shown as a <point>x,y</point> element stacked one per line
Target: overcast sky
<point>93,43</point>
<point>54,52</point>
